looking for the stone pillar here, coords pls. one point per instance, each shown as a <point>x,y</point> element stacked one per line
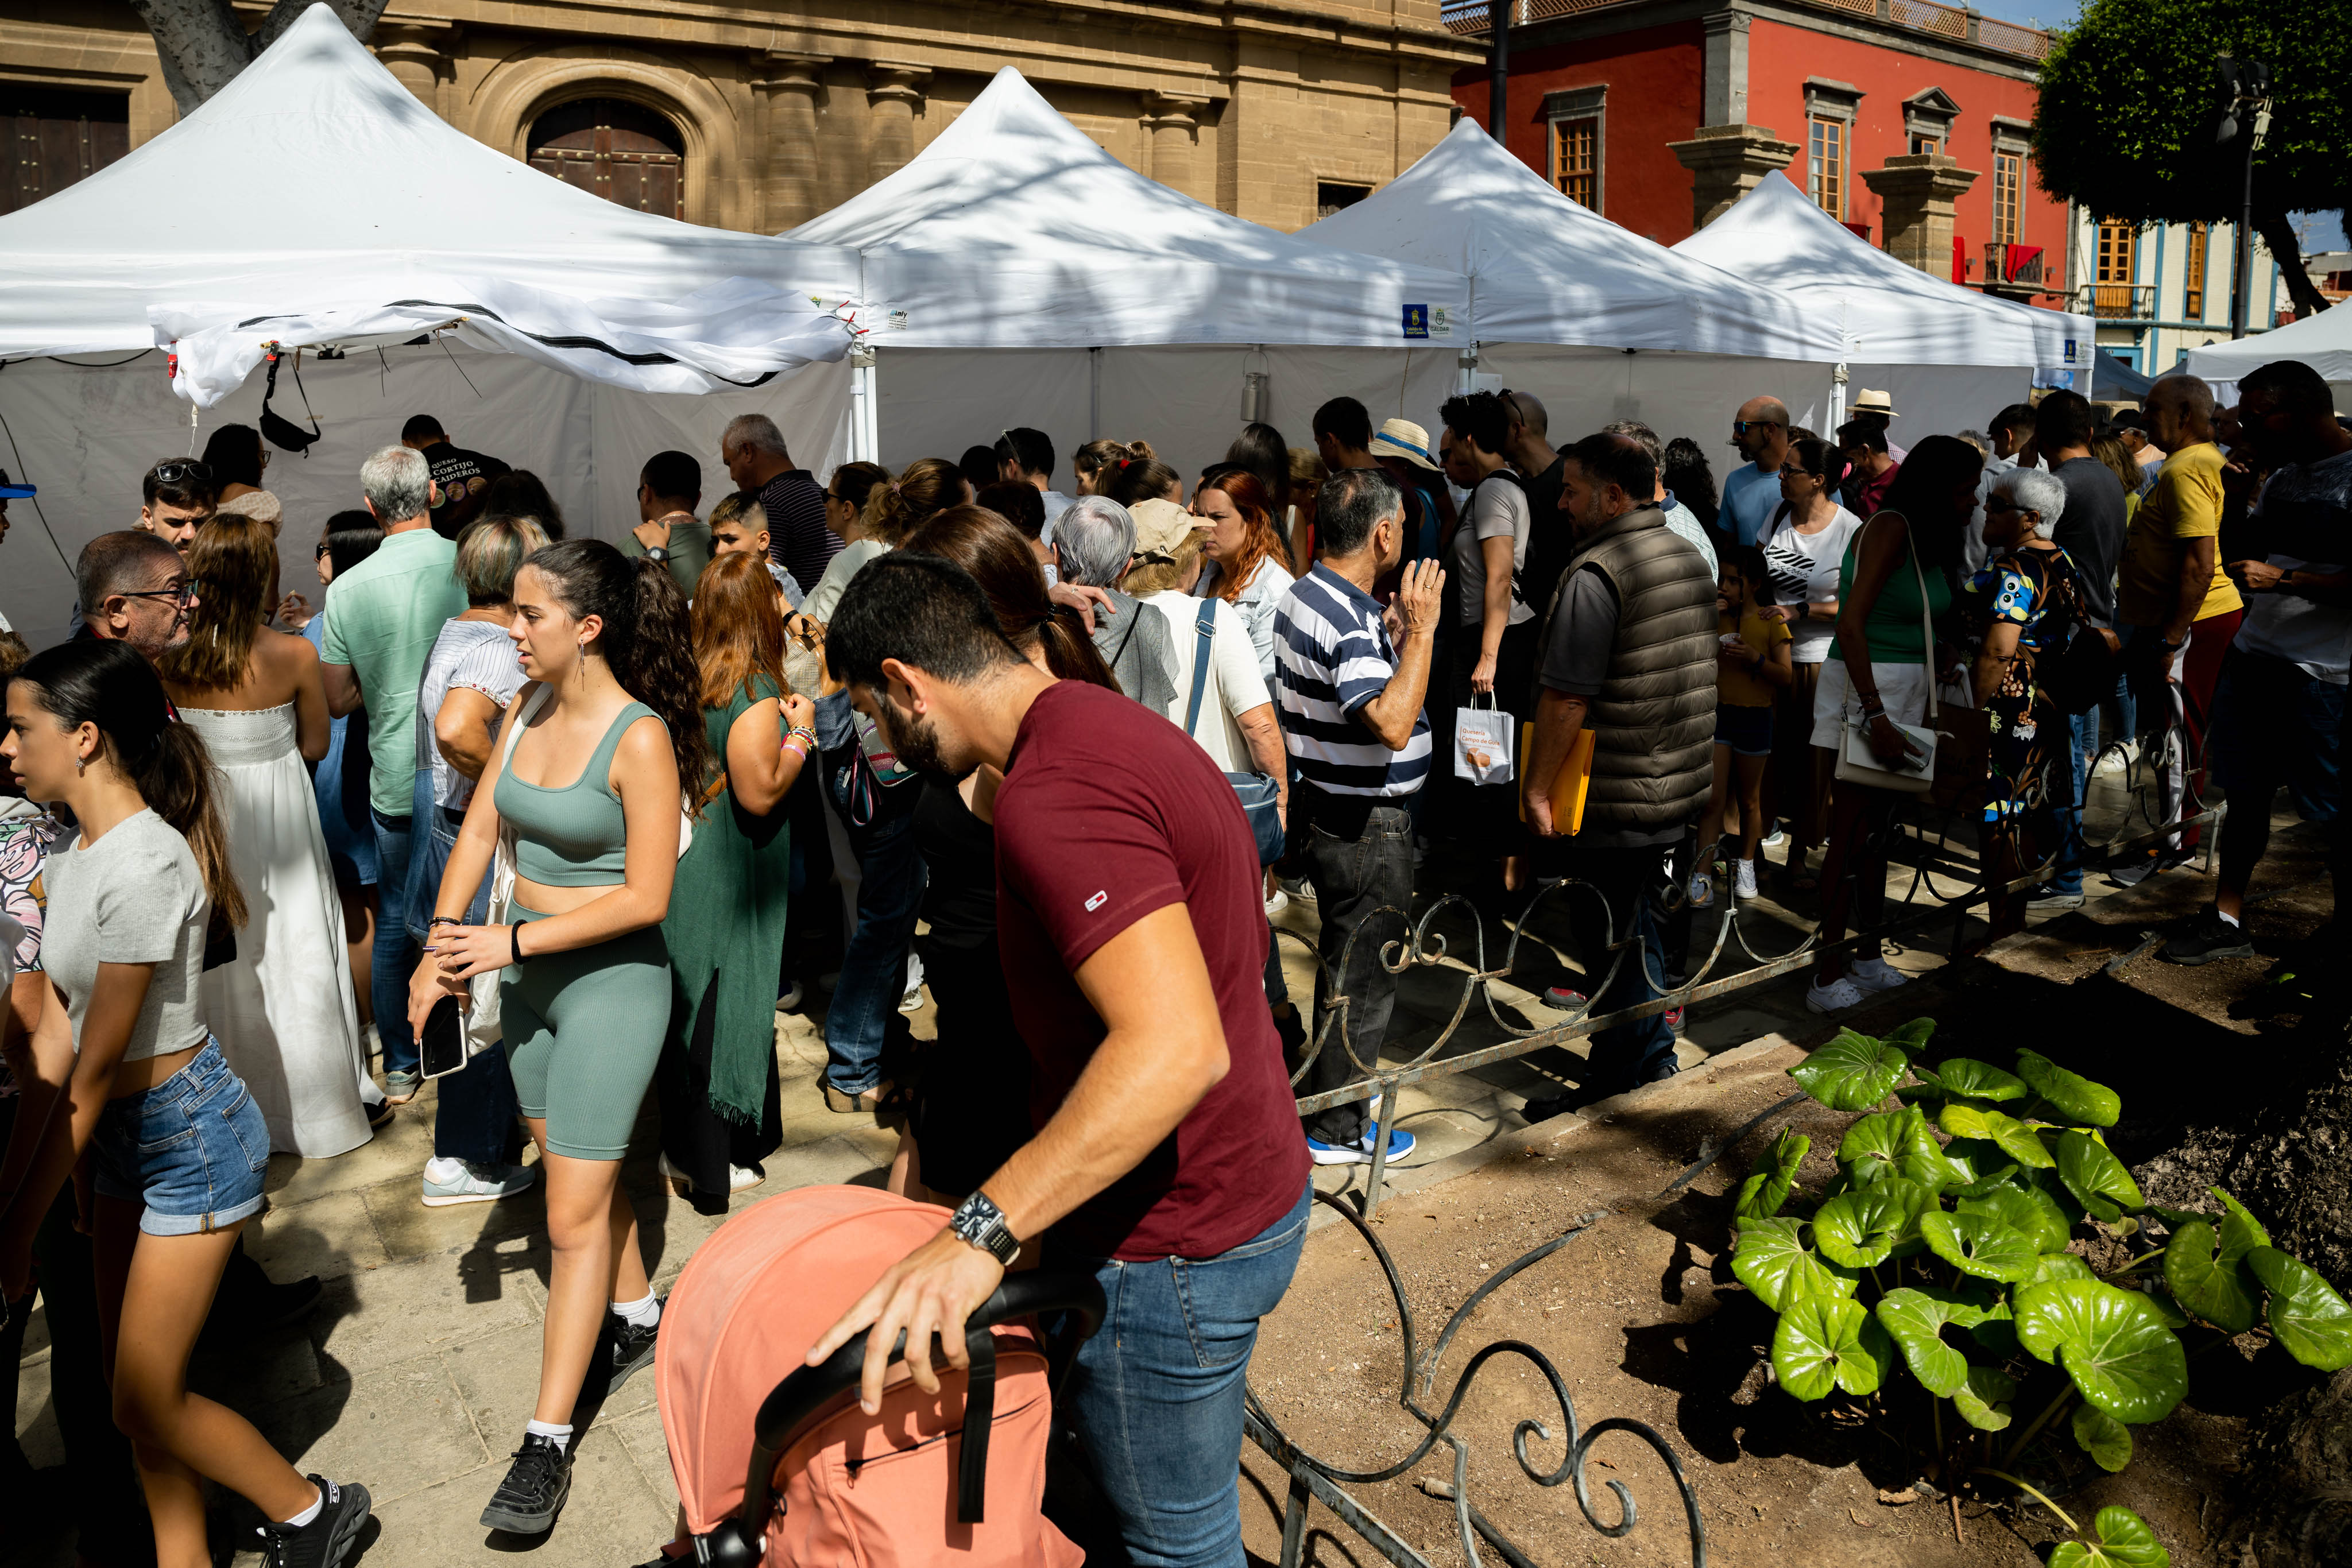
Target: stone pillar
<point>1172,129</point>
<point>789,88</point>
<point>417,54</point>
<point>1727,161</point>
<point>1916,190</point>
<point>893,92</point>
<point>1723,85</point>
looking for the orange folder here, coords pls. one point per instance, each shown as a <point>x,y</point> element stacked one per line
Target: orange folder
<point>1569,786</point>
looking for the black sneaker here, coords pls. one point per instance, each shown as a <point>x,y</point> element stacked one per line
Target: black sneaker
<point>327,1540</point>
<point>527,1501</point>
<point>2206,938</point>
<point>629,1347</point>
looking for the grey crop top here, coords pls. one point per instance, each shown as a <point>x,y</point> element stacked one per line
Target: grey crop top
<point>574,836</point>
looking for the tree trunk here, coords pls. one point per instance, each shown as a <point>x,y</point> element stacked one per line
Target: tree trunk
<point>203,45</point>
<point>2287,250</point>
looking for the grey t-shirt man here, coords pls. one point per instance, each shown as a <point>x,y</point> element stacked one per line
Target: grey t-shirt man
<point>2091,530</point>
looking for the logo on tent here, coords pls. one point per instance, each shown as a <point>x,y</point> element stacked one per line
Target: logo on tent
<point>2070,351</point>
<point>1416,320</point>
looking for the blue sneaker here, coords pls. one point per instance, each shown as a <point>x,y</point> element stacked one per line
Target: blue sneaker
<point>1360,1153</point>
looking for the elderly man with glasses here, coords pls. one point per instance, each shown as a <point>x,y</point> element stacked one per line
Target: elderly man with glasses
<point>176,499</point>
<point>1751,493</point>
<point>134,589</point>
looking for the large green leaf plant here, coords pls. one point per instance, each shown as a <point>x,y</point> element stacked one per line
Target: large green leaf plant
<point>1943,1249</point>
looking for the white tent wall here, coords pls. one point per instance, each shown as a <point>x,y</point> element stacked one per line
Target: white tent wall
<point>1940,400</point>
<point>85,432</point>
<point>1695,396</point>
<point>1185,400</point>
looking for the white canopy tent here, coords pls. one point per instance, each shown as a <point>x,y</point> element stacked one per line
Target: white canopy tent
<point>585,327</point>
<point>1014,266</point>
<point>2323,341</point>
<point>1951,357</point>
<point>1598,322</point>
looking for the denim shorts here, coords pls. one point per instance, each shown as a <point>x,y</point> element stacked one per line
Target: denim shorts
<point>1747,730</point>
<point>193,1149</point>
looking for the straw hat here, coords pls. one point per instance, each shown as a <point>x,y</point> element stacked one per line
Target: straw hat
<point>1160,527</point>
<point>1402,438</point>
<point>1868,402</point>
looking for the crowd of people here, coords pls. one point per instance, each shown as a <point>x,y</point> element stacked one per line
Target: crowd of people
<point>549,821</point>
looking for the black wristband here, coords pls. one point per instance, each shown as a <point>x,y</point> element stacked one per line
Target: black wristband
<point>514,940</point>
<point>444,920</point>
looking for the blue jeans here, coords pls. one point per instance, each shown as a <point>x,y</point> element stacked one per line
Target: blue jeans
<point>1627,881</point>
<point>1156,1395</point>
<point>193,1149</point>
<point>474,1109</point>
<point>874,964</point>
<point>394,954</point>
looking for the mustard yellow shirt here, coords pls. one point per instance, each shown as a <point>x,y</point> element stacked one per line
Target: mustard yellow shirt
<point>1745,688</point>
<point>2184,505</point>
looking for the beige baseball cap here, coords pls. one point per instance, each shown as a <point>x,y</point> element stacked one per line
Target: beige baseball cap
<point>1160,527</point>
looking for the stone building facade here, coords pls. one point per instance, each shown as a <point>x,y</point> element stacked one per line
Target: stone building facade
<point>759,114</point>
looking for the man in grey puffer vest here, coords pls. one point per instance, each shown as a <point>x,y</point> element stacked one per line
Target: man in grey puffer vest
<point>1629,654</point>
<point>1093,545</point>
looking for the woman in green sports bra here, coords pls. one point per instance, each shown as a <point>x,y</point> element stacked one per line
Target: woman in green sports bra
<point>611,743</point>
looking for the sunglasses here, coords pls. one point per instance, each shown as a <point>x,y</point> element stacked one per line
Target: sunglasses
<point>1742,426</point>
<point>180,468</point>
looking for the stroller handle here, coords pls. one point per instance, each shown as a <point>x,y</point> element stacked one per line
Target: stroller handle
<point>740,1542</point>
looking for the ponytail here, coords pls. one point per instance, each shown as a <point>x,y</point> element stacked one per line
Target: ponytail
<point>1070,653</point>
<point>924,488</point>
<point>103,683</point>
<point>647,641</point>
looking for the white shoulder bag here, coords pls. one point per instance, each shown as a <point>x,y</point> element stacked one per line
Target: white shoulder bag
<point>1857,763</point>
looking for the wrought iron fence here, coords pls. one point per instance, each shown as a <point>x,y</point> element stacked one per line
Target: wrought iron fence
<point>1920,837</point>
<point>1313,1478</point>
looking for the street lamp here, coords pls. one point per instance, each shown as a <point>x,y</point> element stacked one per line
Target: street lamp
<point>2245,120</point>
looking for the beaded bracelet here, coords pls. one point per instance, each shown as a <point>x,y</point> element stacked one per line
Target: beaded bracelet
<point>444,920</point>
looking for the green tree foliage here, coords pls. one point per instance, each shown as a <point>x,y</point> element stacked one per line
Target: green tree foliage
<point>2130,99</point>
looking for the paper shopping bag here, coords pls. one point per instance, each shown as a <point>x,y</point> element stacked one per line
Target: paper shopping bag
<point>1483,742</point>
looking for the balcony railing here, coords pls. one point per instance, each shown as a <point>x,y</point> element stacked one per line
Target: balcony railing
<point>1468,19</point>
<point>2117,301</point>
<point>2011,264</point>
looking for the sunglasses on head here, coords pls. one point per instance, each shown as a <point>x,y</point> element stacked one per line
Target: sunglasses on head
<point>179,468</point>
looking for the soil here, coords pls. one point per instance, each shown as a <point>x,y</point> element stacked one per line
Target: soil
<point>1641,1316</point>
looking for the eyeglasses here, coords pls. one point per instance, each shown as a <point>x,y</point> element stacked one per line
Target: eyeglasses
<point>179,468</point>
<point>2002,504</point>
<point>182,595</point>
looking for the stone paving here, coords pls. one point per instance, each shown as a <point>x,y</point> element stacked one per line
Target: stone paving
<point>418,1368</point>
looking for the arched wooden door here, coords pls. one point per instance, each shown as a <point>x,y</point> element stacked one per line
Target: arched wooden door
<point>620,150</point>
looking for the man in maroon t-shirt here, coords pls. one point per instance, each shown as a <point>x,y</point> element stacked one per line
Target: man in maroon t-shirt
<point>1168,1155</point>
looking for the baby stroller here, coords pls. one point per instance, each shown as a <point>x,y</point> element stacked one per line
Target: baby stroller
<point>774,1460</point>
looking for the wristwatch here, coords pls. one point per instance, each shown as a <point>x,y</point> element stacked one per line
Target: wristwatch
<point>656,552</point>
<point>981,1223</point>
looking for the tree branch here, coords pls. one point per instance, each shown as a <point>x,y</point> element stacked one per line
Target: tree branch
<point>2286,251</point>
<point>204,45</point>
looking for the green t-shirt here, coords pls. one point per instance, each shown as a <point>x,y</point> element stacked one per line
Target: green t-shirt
<point>382,618</point>
<point>1893,626</point>
<point>690,552</point>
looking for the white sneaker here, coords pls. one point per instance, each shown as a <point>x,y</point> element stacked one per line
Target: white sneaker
<point>1297,887</point>
<point>739,1178</point>
<point>1276,903</point>
<point>1871,975</point>
<point>1743,879</point>
<point>1776,838</point>
<point>1702,891</point>
<point>1835,996</point>
<point>790,1002</point>
<point>912,1002</point>
<point>448,1181</point>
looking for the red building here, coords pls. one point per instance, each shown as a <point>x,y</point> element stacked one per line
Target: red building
<point>1907,119</point>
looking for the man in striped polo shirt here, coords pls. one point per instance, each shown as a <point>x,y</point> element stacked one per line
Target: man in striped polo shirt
<point>1350,677</point>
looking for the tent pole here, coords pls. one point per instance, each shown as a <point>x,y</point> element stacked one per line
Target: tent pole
<point>1837,398</point>
<point>864,424</point>
<point>1094,395</point>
